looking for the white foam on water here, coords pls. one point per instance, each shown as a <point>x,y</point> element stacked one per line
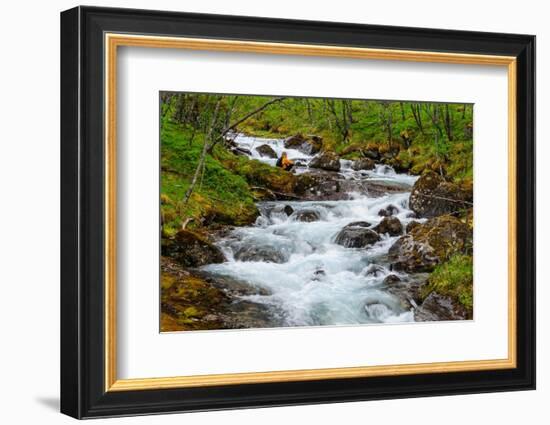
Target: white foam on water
<point>319,282</point>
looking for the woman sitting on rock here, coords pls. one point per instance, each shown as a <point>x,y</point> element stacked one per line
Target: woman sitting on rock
<point>284,162</point>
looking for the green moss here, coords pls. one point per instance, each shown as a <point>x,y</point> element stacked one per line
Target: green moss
<point>453,278</point>
<point>166,281</point>
<point>220,196</point>
<point>188,302</point>
<point>260,175</point>
<point>191,312</point>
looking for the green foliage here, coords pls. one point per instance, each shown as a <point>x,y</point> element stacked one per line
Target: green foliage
<point>260,175</point>
<point>435,136</point>
<point>453,278</point>
<point>410,135</point>
<point>219,196</point>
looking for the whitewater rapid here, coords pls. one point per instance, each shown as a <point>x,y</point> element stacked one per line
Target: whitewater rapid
<point>316,281</point>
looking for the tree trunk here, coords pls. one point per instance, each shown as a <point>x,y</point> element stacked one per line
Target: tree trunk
<point>448,123</point>
<point>416,111</point>
<point>204,152</point>
<point>309,111</point>
<point>228,128</point>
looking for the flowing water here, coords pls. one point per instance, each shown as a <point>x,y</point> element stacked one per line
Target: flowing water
<point>315,281</point>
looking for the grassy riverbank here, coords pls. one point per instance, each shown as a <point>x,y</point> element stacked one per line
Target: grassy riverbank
<point>226,189</point>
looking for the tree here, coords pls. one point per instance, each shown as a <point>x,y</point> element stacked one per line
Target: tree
<point>203,152</point>
<point>213,136</point>
<point>432,110</point>
<point>417,114</point>
<point>448,123</point>
<point>386,119</point>
<point>343,117</point>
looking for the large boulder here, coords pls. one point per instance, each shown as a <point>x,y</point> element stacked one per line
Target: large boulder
<point>265,253</point>
<point>390,225</point>
<point>320,185</point>
<point>326,161</point>
<point>432,196</point>
<point>430,243</point>
<point>309,145</point>
<point>363,164</point>
<point>266,151</point>
<point>438,307</point>
<point>191,249</point>
<point>356,237</point>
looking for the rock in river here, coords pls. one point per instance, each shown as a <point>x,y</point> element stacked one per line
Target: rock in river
<point>319,185</point>
<point>430,243</point>
<point>191,249</point>
<point>268,254</point>
<point>307,216</point>
<point>438,307</point>
<point>356,237</point>
<point>374,270</point>
<point>266,150</point>
<point>309,145</point>
<point>359,224</point>
<point>391,279</point>
<point>390,225</point>
<point>326,161</point>
<point>363,164</point>
<point>432,196</point>
<point>389,210</point>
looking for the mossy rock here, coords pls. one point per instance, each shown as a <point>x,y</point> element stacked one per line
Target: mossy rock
<point>266,151</point>
<point>195,300</point>
<point>191,249</point>
<point>309,145</point>
<point>432,196</point>
<point>430,244</point>
<point>390,225</point>
<point>328,161</point>
<point>454,279</point>
<point>437,307</point>
<point>259,175</point>
<point>363,164</point>
<point>188,302</point>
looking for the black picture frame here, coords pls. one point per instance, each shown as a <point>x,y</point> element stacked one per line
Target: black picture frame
<point>83,392</point>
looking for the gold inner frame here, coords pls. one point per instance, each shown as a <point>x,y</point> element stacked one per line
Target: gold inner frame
<point>113,41</point>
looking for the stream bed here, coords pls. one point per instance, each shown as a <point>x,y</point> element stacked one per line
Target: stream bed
<point>291,252</point>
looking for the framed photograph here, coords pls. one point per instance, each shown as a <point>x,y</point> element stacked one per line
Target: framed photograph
<point>261,212</point>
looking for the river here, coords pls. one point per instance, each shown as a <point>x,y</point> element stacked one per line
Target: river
<point>309,279</point>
